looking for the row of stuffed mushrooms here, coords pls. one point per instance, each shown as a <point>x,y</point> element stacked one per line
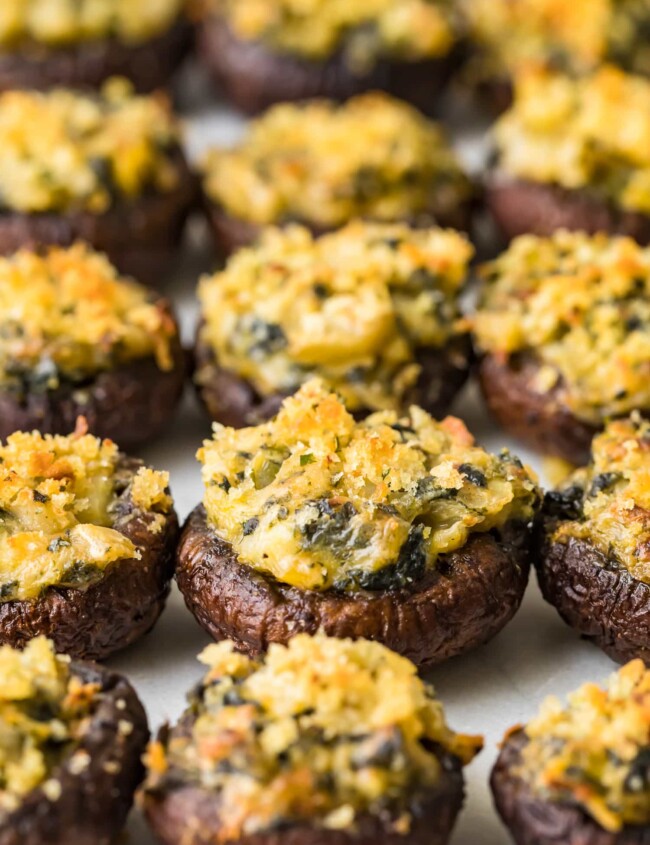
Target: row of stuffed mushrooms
<point>302,745</point>
<point>278,51</point>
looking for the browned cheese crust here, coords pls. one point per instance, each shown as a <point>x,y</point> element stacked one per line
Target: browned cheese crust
<point>148,65</point>
<point>540,420</point>
<point>253,77</point>
<point>466,601</point>
<point>191,815</point>
<point>130,405</point>
<point>114,612</point>
<point>519,207</point>
<point>233,401</point>
<point>533,821</point>
<point>141,238</point>
<point>94,803</point>
<point>598,598</point>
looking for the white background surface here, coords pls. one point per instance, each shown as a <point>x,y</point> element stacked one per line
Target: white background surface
<point>484,692</point>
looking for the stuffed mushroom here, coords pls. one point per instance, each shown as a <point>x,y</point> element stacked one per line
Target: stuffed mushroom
<point>322,165</point>
<point>397,529</point>
<point>78,340</point>
<point>372,309</point>
<point>573,154</point>
<point>104,168</point>
<point>578,775</point>
<point>563,330</point>
<point>511,36</point>
<point>87,540</point>
<point>47,43</point>
<point>71,738</point>
<point>305,746</point>
<point>264,53</point>
<point>594,560</point>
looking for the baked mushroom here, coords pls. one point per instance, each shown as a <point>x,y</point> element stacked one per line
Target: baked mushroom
<point>397,529</point>
<point>78,340</point>
<point>277,51</point>
<point>82,44</point>
<point>572,154</point>
<point>563,328</point>
<point>594,560</point>
<point>102,168</point>
<point>578,775</point>
<point>305,746</point>
<point>71,738</point>
<point>87,540</point>
<point>372,309</point>
<point>509,37</point>
<point>322,165</point>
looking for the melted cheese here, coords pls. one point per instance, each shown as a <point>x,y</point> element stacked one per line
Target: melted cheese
<point>352,307</point>
<point>324,164</point>
<point>589,134</point>
<point>613,497</point>
<point>62,22</point>
<point>364,29</point>
<point>594,752</point>
<point>319,501</point>
<point>310,733</point>
<point>66,314</point>
<point>573,36</point>
<point>56,519</point>
<point>67,151</point>
<point>42,712</point>
<point>581,306</point>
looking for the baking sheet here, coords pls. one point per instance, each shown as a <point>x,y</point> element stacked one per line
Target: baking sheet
<point>486,691</point>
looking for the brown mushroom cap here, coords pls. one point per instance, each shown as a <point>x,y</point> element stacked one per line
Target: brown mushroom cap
<point>112,613</point>
<point>94,802</point>
<point>540,420</point>
<point>254,77</point>
<point>460,605</point>
<point>148,65</point>
<point>597,597</point>
<point>533,821</point>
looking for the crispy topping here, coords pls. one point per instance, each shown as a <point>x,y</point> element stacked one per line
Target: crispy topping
<point>324,164</point>
<point>608,503</point>
<point>319,501</point>
<point>309,733</point>
<point>57,498</point>
<point>594,753</point>
<point>581,306</point>
<point>591,133</point>
<point>365,30</point>
<point>353,307</point>
<point>572,36</point>
<point>66,151</point>
<point>66,314</point>
<point>61,22</point>
<point>43,711</point>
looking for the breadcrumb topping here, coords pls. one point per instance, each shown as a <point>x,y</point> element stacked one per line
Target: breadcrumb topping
<point>43,711</point>
<point>309,733</point>
<point>580,305</point>
<point>594,752</point>
<point>318,500</point>
<point>608,503</point>
<point>61,22</point>
<point>574,36</point>
<point>591,134</point>
<point>324,163</point>
<point>353,307</point>
<point>57,498</point>
<point>366,30</point>
<point>66,314</point>
<point>68,151</point>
